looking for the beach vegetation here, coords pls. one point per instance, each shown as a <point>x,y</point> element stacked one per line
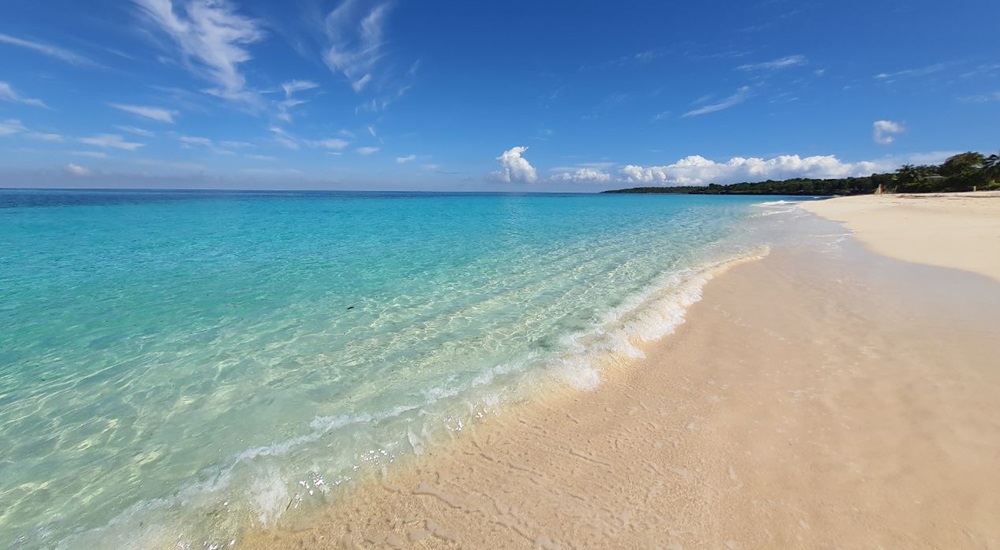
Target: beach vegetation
<point>962,172</point>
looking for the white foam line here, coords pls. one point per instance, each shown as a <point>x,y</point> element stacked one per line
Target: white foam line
<point>646,316</point>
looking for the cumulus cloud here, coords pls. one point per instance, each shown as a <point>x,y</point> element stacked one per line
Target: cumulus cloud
<point>113,141</point>
<point>407,158</point>
<point>367,150</point>
<point>783,63</point>
<point>698,170</point>
<point>46,49</point>
<point>7,93</point>
<point>355,35</point>
<point>152,113</point>
<point>740,96</point>
<point>584,175</point>
<point>883,130</point>
<point>514,167</point>
<point>77,170</point>
<point>212,39</point>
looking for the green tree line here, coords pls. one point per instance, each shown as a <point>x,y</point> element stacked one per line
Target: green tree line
<point>963,172</point>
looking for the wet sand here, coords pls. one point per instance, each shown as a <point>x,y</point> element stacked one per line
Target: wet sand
<point>823,397</point>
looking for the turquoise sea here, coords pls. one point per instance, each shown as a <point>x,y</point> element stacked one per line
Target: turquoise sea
<point>178,366</point>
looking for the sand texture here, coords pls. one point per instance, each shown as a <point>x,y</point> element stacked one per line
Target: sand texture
<point>960,230</point>
<point>823,397</point>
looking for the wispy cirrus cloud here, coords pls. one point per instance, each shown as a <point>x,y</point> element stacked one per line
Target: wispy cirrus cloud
<point>290,88</point>
<point>984,98</point>
<point>112,141</point>
<point>406,159</point>
<point>152,113</point>
<point>212,39</point>
<point>47,50</point>
<point>368,150</point>
<point>332,144</point>
<point>192,142</point>
<point>11,126</point>
<point>920,71</point>
<point>136,131</point>
<point>782,63</point>
<point>284,139</point>
<point>740,96</point>
<point>356,40</point>
<point>7,93</point>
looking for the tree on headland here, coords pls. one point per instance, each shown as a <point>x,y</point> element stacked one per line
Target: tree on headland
<point>963,163</point>
<point>991,165</point>
<point>962,172</point>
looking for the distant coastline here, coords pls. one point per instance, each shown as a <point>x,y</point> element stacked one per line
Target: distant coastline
<point>960,173</point>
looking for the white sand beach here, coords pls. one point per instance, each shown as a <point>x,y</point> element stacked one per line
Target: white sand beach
<point>823,397</point>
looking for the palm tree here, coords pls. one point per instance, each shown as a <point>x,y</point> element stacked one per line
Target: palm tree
<point>991,167</point>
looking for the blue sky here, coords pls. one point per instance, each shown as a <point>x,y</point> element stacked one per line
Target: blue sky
<point>468,95</point>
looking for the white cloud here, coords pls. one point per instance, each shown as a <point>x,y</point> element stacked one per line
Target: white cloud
<point>293,86</point>
<point>740,96</point>
<point>46,49</point>
<point>91,154</point>
<point>783,63</point>
<point>371,130</point>
<point>514,167</point>
<point>152,113</point>
<point>584,175</point>
<point>987,98</point>
<point>212,38</point>
<point>921,71</point>
<point>136,131</point>
<point>11,126</point>
<point>367,150</point>
<point>407,158</point>
<point>697,170</point>
<point>883,130</point>
<point>236,144</point>
<point>7,93</point>
<point>335,144</point>
<point>193,140</point>
<point>356,39</point>
<point>285,106</point>
<point>42,136</point>
<point>77,170</point>
<point>284,138</point>
<point>113,141</point>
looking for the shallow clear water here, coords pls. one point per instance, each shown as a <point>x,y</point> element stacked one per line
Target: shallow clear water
<point>177,366</point>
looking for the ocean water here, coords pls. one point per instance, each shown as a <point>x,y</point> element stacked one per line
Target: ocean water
<point>176,367</point>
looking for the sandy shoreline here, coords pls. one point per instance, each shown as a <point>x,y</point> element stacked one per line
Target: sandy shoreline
<point>824,397</point>
<point>959,230</point>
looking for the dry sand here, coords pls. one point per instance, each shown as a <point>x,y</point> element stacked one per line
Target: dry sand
<point>824,397</point>
<point>960,230</point>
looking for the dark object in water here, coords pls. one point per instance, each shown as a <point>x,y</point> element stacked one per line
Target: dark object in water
<point>350,307</point>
